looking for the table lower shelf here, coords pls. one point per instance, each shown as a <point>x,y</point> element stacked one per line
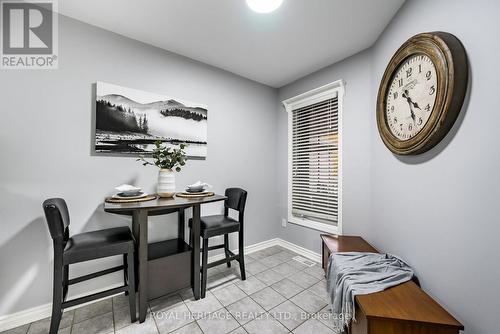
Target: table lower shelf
<point>169,267</point>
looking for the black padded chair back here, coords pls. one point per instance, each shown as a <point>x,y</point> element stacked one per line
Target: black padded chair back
<point>57,215</point>
<point>236,200</point>
<point>85,247</point>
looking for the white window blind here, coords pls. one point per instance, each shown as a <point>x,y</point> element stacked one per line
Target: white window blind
<point>315,161</point>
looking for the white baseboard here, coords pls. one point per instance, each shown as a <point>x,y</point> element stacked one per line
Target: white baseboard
<point>313,256</point>
<point>250,249</point>
<point>24,317</point>
<point>43,311</point>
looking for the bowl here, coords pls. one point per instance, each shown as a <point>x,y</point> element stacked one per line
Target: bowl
<point>196,189</point>
<point>130,193</point>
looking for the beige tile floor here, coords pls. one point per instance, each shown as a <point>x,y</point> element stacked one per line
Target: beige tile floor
<point>280,295</point>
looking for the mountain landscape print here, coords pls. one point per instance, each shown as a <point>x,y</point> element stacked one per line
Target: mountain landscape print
<point>129,121</point>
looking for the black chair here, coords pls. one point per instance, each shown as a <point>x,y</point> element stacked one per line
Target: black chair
<point>211,226</point>
<point>85,247</point>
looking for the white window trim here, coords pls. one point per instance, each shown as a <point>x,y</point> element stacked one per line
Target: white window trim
<point>331,90</point>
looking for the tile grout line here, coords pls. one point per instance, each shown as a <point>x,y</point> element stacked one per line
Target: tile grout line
<point>308,313</point>
<point>265,286</point>
<point>72,322</point>
<point>270,286</point>
<point>113,314</point>
<point>29,326</point>
<point>187,307</point>
<point>286,299</point>
<point>246,295</point>
<point>154,318</point>
<point>225,307</point>
<point>197,324</point>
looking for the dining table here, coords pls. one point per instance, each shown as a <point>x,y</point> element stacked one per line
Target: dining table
<point>140,211</point>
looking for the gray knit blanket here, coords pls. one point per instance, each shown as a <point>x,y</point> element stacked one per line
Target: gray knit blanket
<point>353,273</point>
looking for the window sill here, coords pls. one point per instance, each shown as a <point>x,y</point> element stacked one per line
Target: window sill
<point>315,225</point>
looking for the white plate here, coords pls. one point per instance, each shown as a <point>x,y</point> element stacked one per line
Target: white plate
<point>130,197</point>
<point>195,190</point>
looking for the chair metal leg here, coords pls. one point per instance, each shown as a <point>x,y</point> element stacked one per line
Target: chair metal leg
<point>241,255</point>
<point>57,296</point>
<point>131,285</point>
<point>204,268</point>
<point>226,249</point>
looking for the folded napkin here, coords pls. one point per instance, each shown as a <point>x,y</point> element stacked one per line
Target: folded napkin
<point>127,188</point>
<point>199,184</point>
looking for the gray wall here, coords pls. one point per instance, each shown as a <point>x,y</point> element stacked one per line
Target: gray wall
<point>438,210</point>
<point>45,141</point>
<point>443,212</point>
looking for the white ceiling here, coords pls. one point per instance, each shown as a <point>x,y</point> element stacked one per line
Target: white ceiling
<point>302,36</point>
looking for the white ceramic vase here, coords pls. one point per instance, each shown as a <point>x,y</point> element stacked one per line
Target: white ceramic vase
<point>166,183</point>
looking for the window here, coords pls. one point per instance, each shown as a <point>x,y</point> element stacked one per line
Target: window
<point>314,158</point>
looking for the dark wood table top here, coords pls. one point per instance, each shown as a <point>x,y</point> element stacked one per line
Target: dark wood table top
<point>161,204</point>
<point>405,302</point>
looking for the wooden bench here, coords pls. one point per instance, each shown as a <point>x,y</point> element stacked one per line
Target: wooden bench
<point>403,309</point>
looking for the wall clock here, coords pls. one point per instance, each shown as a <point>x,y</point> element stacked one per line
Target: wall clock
<point>422,92</point>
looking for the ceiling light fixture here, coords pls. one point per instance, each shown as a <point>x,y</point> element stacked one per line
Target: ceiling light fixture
<point>264,6</point>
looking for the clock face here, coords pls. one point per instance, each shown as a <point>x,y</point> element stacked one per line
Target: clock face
<point>421,92</point>
<point>411,96</point>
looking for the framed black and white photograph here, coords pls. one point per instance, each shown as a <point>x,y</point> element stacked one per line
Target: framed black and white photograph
<point>129,121</point>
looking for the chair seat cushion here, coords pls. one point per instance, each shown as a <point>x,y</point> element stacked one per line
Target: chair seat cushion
<point>97,244</point>
<point>217,225</point>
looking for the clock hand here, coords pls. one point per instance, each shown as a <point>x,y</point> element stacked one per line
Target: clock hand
<point>415,104</point>
<point>406,95</point>
<point>408,98</point>
<point>412,114</point>
<point>410,103</point>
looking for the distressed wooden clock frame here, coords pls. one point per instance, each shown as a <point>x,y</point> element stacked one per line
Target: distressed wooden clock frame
<point>449,57</point>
